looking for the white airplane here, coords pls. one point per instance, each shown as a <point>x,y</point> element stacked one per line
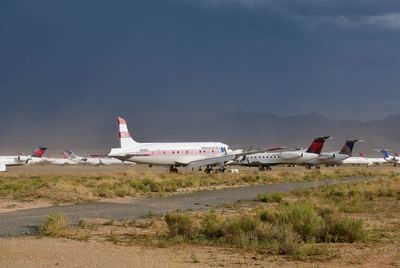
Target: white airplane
<point>94,160</point>
<point>299,157</point>
<point>363,160</point>
<point>177,154</point>
<point>59,161</point>
<point>20,160</point>
<point>358,160</point>
<point>389,158</point>
<point>333,158</point>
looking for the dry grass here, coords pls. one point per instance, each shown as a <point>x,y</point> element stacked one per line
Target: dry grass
<point>68,188</point>
<point>303,225</point>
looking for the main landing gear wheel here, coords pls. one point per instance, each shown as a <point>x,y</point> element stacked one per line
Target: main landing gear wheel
<point>173,169</point>
<point>208,170</point>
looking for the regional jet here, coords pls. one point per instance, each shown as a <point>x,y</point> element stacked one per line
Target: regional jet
<point>363,160</point>
<point>333,158</point>
<point>177,154</point>
<point>20,160</point>
<point>390,158</point>
<point>298,157</point>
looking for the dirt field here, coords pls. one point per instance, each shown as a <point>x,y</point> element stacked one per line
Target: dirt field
<point>115,244</point>
<point>50,252</point>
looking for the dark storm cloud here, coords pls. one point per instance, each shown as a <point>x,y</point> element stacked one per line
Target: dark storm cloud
<point>68,65</point>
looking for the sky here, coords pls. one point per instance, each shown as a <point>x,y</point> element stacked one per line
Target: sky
<point>73,64</point>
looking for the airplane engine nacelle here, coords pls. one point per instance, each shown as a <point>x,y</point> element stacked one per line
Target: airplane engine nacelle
<point>291,155</point>
<point>241,158</point>
<point>23,158</point>
<point>325,156</point>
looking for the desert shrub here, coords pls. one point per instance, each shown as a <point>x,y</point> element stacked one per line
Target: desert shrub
<point>211,226</point>
<point>343,230</point>
<point>270,197</point>
<point>56,225</point>
<point>180,224</point>
<point>288,241</point>
<point>241,231</point>
<point>313,225</point>
<point>302,216</point>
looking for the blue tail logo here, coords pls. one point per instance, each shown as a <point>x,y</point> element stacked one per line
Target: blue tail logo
<point>348,147</point>
<point>385,153</point>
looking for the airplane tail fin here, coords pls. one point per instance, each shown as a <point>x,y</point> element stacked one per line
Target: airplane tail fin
<point>70,154</point>
<point>317,145</point>
<point>385,153</point>
<point>39,151</point>
<point>348,147</point>
<point>125,138</point>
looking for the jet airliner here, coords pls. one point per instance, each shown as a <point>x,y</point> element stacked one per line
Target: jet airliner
<point>176,154</point>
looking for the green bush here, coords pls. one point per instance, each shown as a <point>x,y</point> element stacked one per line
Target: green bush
<point>270,197</point>
<point>343,230</point>
<point>180,224</point>
<point>314,225</point>
<point>56,225</point>
<point>211,226</point>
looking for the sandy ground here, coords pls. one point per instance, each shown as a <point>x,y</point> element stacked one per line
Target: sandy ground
<point>50,252</point>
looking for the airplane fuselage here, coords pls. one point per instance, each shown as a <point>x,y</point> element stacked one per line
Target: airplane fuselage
<point>170,154</point>
<point>332,158</point>
<point>11,161</point>
<point>269,159</point>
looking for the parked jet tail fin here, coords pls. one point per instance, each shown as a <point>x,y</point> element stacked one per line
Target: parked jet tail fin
<point>385,153</point>
<point>316,146</point>
<point>70,155</point>
<point>348,147</point>
<point>125,138</point>
<point>39,152</point>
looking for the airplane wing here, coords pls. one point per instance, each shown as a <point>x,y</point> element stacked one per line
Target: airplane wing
<point>212,161</point>
<point>223,159</point>
<point>127,156</point>
<point>259,151</point>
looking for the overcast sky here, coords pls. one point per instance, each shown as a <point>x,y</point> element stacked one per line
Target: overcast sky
<point>88,61</point>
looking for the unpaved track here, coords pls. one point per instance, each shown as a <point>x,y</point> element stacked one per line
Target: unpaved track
<point>24,222</point>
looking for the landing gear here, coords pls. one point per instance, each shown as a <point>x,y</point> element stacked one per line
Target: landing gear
<point>264,168</point>
<point>221,170</point>
<point>208,170</point>
<point>173,169</point>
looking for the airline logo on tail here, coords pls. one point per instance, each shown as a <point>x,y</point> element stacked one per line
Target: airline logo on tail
<point>316,146</point>
<point>123,129</point>
<point>70,155</point>
<point>385,154</point>
<point>348,147</point>
<point>125,138</point>
<point>39,152</point>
